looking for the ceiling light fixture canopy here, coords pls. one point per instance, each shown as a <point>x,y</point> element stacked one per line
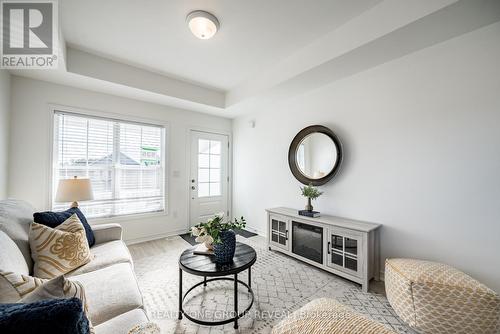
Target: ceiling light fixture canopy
<point>202,24</point>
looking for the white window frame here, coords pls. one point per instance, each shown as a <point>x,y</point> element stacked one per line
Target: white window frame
<point>55,108</point>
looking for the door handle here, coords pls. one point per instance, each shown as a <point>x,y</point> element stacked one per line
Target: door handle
<point>286,234</point>
<point>328,247</point>
<point>193,187</point>
<point>193,181</point>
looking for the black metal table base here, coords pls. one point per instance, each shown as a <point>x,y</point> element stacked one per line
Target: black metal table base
<point>204,283</point>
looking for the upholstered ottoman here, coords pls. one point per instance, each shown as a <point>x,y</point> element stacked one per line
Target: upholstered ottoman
<point>327,316</point>
<point>435,298</point>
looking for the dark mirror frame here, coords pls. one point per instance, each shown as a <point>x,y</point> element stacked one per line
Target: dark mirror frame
<point>292,155</point>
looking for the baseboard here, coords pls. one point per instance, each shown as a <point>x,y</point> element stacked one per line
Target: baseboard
<point>154,237</point>
<point>254,230</point>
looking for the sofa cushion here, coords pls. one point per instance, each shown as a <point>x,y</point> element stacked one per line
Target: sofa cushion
<point>105,255</point>
<point>58,250</point>
<point>11,258</point>
<point>54,219</point>
<point>110,291</point>
<point>15,219</point>
<point>327,316</point>
<point>122,323</point>
<point>55,316</point>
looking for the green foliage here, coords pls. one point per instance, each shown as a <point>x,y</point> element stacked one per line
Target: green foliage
<point>210,231</point>
<point>311,192</point>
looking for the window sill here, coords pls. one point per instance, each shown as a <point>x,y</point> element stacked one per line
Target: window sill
<point>124,218</point>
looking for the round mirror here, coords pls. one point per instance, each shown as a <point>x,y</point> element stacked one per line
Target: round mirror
<point>315,155</point>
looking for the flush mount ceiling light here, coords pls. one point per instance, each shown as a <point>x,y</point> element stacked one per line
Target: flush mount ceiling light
<point>202,24</point>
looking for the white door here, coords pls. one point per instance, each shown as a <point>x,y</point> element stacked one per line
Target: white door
<point>209,176</point>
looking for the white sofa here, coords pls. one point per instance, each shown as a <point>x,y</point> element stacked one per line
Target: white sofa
<point>113,296</point>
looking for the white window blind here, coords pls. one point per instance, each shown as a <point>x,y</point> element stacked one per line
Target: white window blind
<point>123,160</point>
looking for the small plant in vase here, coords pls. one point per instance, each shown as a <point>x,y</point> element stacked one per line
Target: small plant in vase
<point>311,193</point>
<point>218,234</point>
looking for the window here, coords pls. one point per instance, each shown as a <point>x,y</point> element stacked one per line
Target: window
<point>209,163</point>
<point>123,160</point>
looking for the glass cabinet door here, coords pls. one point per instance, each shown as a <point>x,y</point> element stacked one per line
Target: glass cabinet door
<point>279,232</point>
<point>343,252</point>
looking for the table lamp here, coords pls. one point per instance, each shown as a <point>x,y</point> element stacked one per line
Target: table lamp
<point>74,190</point>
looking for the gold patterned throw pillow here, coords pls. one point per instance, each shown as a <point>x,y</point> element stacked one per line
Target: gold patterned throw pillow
<point>57,251</point>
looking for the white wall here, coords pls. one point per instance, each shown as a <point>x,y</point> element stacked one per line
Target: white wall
<point>4,130</point>
<point>30,147</point>
<point>422,153</point>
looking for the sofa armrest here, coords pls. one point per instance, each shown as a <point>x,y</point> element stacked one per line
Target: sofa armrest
<point>107,232</point>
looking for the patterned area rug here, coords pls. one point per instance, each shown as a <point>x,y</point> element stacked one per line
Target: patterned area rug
<point>280,283</point>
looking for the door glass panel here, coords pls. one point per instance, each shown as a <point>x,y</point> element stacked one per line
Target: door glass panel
<point>337,242</point>
<point>214,189</point>
<point>274,237</point>
<point>351,246</point>
<point>203,161</point>
<point>203,189</point>
<point>203,175</point>
<point>351,263</point>
<point>274,224</point>
<point>337,259</point>
<point>214,175</point>
<point>203,146</point>
<point>282,240</point>
<point>282,227</point>
<point>214,161</point>
<point>209,168</point>
<point>215,147</point>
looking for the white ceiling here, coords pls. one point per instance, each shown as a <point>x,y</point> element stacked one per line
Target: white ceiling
<point>266,50</point>
<point>152,34</point>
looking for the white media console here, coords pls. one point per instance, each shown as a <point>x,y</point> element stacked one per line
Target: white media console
<point>345,247</point>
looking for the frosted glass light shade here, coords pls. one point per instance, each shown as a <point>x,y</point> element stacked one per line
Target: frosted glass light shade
<point>202,24</point>
<point>73,190</point>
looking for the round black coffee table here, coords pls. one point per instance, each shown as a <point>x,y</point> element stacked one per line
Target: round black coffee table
<point>204,265</point>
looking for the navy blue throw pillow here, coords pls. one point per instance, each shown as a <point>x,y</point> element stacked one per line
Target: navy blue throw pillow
<point>54,219</point>
<point>55,316</point>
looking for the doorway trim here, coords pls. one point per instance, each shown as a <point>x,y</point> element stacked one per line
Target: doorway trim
<point>187,178</point>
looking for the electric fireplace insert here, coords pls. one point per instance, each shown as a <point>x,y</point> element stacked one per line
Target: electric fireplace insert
<point>307,241</point>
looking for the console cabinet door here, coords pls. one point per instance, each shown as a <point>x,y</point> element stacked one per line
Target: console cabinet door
<point>278,231</point>
<point>345,251</point>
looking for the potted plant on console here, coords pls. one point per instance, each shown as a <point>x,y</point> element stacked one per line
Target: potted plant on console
<point>311,193</point>
<point>218,234</point>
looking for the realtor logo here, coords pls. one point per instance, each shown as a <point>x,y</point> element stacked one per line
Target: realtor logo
<point>29,34</point>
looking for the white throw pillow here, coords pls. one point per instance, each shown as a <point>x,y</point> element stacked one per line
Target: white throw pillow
<point>145,328</point>
<point>28,289</point>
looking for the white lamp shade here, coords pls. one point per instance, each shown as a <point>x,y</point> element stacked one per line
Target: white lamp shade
<point>73,190</point>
